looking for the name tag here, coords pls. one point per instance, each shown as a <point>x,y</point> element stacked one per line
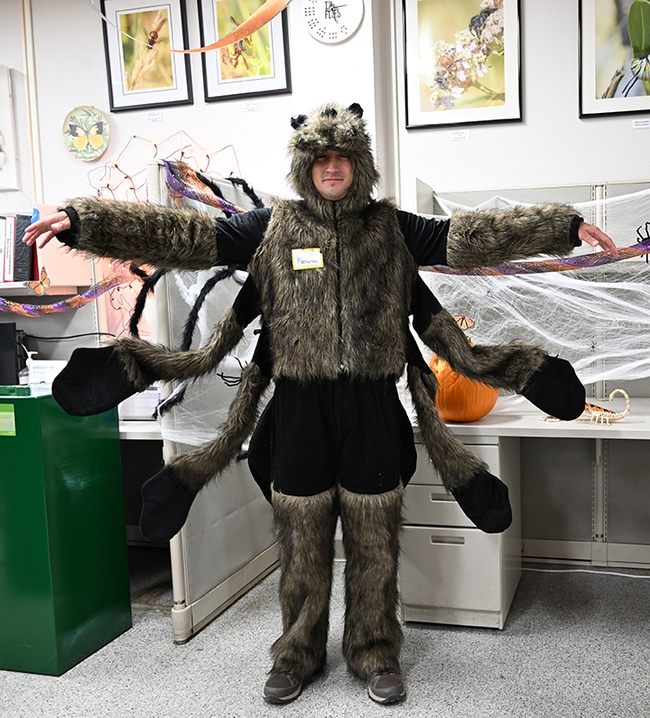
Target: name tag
<point>311,258</point>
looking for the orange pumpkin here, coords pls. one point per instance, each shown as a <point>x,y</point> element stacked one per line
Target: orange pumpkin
<point>460,399</point>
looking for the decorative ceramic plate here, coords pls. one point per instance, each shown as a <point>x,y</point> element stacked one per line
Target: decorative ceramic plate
<point>85,133</point>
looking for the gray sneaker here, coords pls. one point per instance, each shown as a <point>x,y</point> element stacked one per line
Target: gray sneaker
<point>282,688</point>
<point>386,687</point>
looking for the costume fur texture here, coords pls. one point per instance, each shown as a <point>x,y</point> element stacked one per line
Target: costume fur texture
<point>492,237</point>
<point>305,528</point>
<point>143,360</point>
<point>196,468</point>
<point>372,637</point>
<point>165,237</point>
<point>349,316</point>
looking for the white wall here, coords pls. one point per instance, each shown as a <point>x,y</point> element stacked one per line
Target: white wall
<point>71,71</point>
<point>552,146</point>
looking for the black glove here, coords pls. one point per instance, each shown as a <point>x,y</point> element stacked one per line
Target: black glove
<point>92,381</point>
<point>484,500</point>
<point>165,506</point>
<point>556,389</point>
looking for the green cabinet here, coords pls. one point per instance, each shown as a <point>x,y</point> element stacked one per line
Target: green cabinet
<point>64,581</point>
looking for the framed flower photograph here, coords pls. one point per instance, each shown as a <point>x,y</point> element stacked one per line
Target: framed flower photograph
<point>614,57</point>
<point>257,65</point>
<point>138,38</point>
<point>462,62</point>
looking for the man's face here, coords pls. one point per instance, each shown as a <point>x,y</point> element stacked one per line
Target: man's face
<point>332,175</point>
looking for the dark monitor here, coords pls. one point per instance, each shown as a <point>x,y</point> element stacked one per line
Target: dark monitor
<point>8,354</point>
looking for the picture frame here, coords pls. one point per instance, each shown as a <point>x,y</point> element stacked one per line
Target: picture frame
<point>258,65</point>
<point>9,178</point>
<point>462,62</point>
<point>141,72</point>
<point>614,58</point>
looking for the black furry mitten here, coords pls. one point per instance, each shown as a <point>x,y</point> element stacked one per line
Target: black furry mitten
<point>484,500</point>
<point>556,389</point>
<point>165,506</point>
<point>93,381</point>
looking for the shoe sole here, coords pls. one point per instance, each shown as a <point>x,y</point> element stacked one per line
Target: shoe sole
<point>276,700</point>
<point>387,700</point>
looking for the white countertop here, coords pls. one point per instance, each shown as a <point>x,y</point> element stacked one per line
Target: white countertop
<point>512,416</point>
<point>145,429</point>
<point>515,416</point>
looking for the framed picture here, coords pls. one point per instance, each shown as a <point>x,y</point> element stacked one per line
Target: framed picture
<point>461,62</point>
<point>142,73</point>
<point>614,57</point>
<point>8,164</point>
<point>256,65</point>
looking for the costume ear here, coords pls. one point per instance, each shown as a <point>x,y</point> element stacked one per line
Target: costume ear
<point>356,109</point>
<point>298,121</point>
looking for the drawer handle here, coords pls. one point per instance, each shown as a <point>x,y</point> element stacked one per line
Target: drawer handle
<point>441,497</point>
<point>448,540</point>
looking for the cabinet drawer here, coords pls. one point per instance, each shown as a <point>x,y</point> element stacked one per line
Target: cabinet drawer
<point>432,506</point>
<point>451,568</point>
<point>426,474</point>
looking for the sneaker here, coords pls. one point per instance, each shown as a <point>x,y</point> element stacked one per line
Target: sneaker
<point>282,688</point>
<point>386,687</point>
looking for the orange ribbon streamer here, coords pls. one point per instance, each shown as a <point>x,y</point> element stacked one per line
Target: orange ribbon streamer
<point>265,13</point>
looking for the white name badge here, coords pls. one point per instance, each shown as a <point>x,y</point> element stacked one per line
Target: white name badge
<point>311,258</point>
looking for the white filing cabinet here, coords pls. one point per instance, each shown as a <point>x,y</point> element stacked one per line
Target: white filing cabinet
<point>450,571</point>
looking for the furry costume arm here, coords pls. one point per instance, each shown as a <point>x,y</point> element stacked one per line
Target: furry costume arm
<point>505,366</point>
<point>548,382</point>
<point>490,237</point>
<point>165,237</point>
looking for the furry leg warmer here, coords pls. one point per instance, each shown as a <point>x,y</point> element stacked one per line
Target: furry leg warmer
<point>305,530</point>
<point>373,636</point>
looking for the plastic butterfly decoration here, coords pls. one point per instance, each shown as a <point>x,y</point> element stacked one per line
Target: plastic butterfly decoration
<point>39,287</point>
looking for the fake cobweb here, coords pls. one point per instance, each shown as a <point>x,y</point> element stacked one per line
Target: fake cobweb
<point>597,318</point>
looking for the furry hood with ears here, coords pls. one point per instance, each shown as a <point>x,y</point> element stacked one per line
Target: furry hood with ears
<point>331,127</point>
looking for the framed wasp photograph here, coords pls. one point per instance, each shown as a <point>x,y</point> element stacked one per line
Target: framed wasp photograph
<point>462,62</point>
<point>139,38</point>
<point>257,65</point>
<point>614,57</point>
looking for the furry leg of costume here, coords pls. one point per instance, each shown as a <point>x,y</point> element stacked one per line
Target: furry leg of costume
<point>305,528</point>
<point>373,636</point>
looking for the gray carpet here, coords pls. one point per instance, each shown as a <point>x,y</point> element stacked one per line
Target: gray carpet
<point>574,645</point>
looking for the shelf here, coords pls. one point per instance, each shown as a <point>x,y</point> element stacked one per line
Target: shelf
<point>20,289</point>
<point>514,416</point>
<point>140,430</point>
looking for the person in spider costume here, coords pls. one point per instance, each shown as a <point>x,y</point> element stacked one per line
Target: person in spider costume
<point>333,276</point>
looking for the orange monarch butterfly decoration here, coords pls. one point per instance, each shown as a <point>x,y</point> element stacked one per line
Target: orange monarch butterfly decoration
<point>85,133</point>
<point>39,287</point>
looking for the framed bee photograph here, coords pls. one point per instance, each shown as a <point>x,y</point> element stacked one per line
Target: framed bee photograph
<point>257,65</point>
<point>462,62</point>
<point>614,57</point>
<point>139,38</point>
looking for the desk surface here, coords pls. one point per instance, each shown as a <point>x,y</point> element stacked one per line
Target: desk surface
<point>145,429</point>
<point>512,416</point>
<point>515,416</point>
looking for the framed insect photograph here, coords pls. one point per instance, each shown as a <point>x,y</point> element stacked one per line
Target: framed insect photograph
<point>257,65</point>
<point>614,57</point>
<point>139,40</point>
<point>462,62</point>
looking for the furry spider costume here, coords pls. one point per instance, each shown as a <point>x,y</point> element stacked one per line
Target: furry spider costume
<point>334,439</point>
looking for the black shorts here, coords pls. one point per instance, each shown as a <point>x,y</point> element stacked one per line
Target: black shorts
<point>353,432</point>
